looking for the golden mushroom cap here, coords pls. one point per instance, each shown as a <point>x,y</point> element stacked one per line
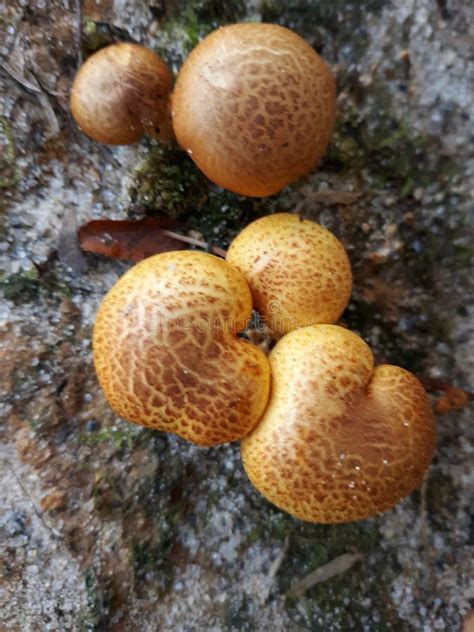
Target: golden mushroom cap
<point>120,93</point>
<point>340,440</point>
<point>254,106</point>
<point>166,351</point>
<point>298,272</point>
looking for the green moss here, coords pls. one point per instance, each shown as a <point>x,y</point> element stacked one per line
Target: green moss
<point>199,17</point>
<point>9,173</point>
<point>339,599</point>
<point>27,286</point>
<point>93,618</point>
<point>96,35</point>
<point>106,493</point>
<point>169,182</point>
<point>312,546</point>
<point>21,287</point>
<point>126,437</point>
<point>387,148</point>
<point>151,556</point>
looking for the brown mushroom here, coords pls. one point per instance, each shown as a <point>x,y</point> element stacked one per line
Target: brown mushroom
<point>166,350</point>
<point>340,440</point>
<point>298,272</point>
<point>122,92</point>
<point>254,106</point>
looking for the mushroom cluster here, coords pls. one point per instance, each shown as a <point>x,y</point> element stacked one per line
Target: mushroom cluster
<point>254,105</point>
<point>325,435</point>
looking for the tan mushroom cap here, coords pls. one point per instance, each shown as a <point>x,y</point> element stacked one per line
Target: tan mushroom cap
<point>166,351</point>
<point>298,271</point>
<point>254,106</point>
<point>340,439</point>
<point>120,93</point>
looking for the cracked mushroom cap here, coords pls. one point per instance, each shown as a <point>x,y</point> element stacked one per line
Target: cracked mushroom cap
<point>122,92</point>
<point>254,106</point>
<point>166,350</point>
<point>298,272</point>
<point>340,440</point>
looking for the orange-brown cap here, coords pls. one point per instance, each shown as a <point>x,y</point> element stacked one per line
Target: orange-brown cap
<point>298,272</point>
<point>166,350</point>
<point>122,92</point>
<point>340,440</point>
<point>254,106</point>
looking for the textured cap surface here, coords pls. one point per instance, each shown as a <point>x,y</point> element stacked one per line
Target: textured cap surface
<point>298,272</point>
<point>254,106</point>
<point>121,92</point>
<point>166,351</point>
<point>340,440</point>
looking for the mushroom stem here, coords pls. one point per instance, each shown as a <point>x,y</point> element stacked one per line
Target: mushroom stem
<point>220,252</point>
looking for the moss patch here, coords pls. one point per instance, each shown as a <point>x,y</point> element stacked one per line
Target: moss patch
<point>29,286</point>
<point>199,17</point>
<point>342,598</point>
<point>169,182</point>
<point>93,618</point>
<point>9,173</point>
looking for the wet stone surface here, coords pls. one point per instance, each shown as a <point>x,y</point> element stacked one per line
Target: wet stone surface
<point>107,526</point>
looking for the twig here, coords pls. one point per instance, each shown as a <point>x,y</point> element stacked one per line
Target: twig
<point>220,252</point>
<point>79,32</point>
<point>432,384</point>
<point>335,567</point>
<point>274,568</point>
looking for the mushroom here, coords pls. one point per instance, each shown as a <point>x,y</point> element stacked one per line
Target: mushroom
<point>298,272</point>
<point>122,92</point>
<point>166,350</point>
<point>254,106</point>
<point>340,440</point>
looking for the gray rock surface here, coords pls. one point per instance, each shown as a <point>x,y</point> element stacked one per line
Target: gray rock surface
<point>107,526</point>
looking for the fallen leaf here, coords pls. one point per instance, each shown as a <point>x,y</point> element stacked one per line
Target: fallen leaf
<point>131,240</point>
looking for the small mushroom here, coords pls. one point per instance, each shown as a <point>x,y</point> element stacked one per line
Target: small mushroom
<point>254,106</point>
<point>298,272</point>
<point>340,440</point>
<point>166,350</point>
<point>122,92</point>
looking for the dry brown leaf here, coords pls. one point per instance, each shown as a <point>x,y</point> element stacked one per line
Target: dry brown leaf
<point>127,239</point>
